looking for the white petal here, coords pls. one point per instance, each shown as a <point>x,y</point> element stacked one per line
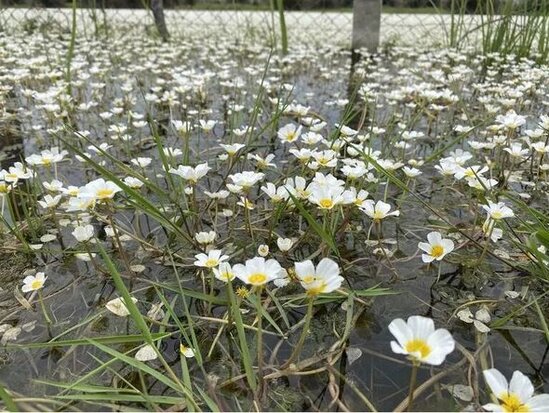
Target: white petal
<point>422,327</point>
<point>327,268</point>
<point>442,344</point>
<point>401,331</point>
<point>434,237</point>
<point>492,407</point>
<point>304,269</point>
<point>397,348</point>
<point>496,381</point>
<point>522,386</point>
<point>539,403</point>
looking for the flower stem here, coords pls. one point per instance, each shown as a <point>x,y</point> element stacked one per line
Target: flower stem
<point>43,307</point>
<point>413,379</point>
<point>304,332</point>
<point>259,307</point>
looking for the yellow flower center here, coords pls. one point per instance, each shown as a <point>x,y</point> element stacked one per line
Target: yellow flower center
<point>418,345</point>
<point>36,284</point>
<point>11,176</point>
<point>104,193</point>
<point>308,279</point>
<point>290,136</point>
<point>497,215</point>
<point>211,262</point>
<point>437,251</point>
<point>378,215</point>
<point>512,403</point>
<point>3,188</point>
<point>326,203</point>
<point>257,278</point>
<point>46,161</point>
<point>319,289</point>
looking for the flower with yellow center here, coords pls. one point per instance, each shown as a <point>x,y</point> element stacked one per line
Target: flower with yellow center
<point>418,339</point>
<point>327,197</point>
<point>289,133</point>
<point>378,210</point>
<point>514,396</point>
<point>258,271</point>
<point>324,278</point>
<point>436,247</point>
<point>211,260</point>
<point>33,282</point>
<point>99,190</point>
<point>498,211</point>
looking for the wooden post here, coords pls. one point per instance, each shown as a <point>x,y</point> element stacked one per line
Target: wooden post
<point>157,8</point>
<point>366,24</point>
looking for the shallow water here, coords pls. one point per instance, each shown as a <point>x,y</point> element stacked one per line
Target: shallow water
<point>76,292</point>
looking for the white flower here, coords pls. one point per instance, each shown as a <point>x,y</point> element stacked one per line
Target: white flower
<point>83,233</point>
<point>511,120</point>
<point>263,250</point>
<point>118,307</point>
<point>213,259</point>
<point>498,211</point>
<point>146,353</point>
<point>326,197</point>
<point>141,162</point>
<point>191,174</point>
<point>49,201</point>
<point>47,157</point>
<point>436,247</point>
<point>205,237</point>
<point>33,282</point>
<point>53,186</point>
<point>246,179</point>
<point>418,338</point>
<point>377,211</point>
<point>289,133</point>
<point>258,271</point>
<point>224,272</point>
<point>99,189</point>
<point>182,127</point>
<point>324,278</point>
<point>232,149</point>
<point>284,244</point>
<point>133,182</point>
<point>516,396</point>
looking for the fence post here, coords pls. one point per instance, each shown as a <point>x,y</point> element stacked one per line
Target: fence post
<point>157,8</point>
<point>366,24</point>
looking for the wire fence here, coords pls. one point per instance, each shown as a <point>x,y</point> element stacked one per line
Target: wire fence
<point>316,26</point>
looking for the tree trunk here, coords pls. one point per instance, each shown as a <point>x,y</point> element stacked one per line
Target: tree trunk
<point>157,8</point>
<point>366,24</point>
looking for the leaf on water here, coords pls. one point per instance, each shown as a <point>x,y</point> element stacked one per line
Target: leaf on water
<point>156,313</point>
<point>146,353</point>
<point>465,315</point>
<point>353,354</point>
<point>462,392</point>
<point>10,334</point>
<point>28,327</point>
<point>512,294</point>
